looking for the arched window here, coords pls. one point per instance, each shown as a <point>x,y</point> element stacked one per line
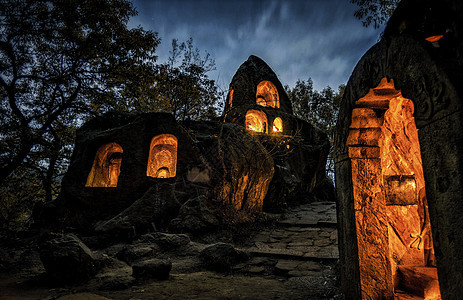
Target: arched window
<point>267,94</point>
<point>256,121</point>
<point>277,125</point>
<point>106,166</point>
<point>162,160</point>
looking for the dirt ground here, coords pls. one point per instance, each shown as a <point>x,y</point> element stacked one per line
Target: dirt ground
<point>294,258</point>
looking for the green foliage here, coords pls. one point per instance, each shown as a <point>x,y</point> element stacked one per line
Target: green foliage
<point>320,108</point>
<point>63,61</point>
<point>375,12</point>
<point>183,86</point>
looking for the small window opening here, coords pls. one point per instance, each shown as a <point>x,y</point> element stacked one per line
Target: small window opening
<point>267,94</point>
<point>106,166</point>
<point>162,160</point>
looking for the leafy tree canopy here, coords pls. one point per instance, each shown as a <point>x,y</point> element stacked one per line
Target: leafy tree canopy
<point>320,108</point>
<point>62,61</point>
<point>375,12</point>
<point>56,57</point>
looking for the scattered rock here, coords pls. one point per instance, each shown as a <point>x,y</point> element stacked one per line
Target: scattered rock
<point>167,241</point>
<point>152,268</point>
<point>67,259</point>
<point>222,257</point>
<point>137,252</point>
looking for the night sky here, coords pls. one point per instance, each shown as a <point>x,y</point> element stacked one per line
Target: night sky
<point>299,39</point>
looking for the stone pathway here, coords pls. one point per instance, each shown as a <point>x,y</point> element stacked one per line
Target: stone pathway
<point>304,242</point>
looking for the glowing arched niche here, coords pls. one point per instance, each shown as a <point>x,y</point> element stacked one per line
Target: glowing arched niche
<point>256,121</point>
<point>267,94</point>
<point>106,166</point>
<point>162,160</point>
<point>277,125</point>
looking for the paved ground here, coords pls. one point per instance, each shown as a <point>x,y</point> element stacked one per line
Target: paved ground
<point>294,257</point>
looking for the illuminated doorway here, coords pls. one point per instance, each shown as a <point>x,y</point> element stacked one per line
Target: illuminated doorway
<point>395,248</point>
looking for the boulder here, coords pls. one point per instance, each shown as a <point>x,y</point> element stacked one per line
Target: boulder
<point>67,259</point>
<point>195,215</point>
<point>222,257</point>
<point>137,252</point>
<point>157,206</point>
<point>152,268</point>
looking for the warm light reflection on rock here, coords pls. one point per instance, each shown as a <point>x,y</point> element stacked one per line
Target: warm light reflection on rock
<point>267,94</point>
<point>256,121</point>
<point>106,166</point>
<point>162,160</point>
<point>434,38</point>
<point>277,125</point>
<point>393,227</point>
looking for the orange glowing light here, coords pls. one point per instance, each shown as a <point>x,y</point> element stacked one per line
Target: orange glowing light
<point>434,38</point>
<point>267,94</point>
<point>387,171</point>
<point>230,97</point>
<point>106,166</point>
<point>277,125</point>
<point>256,121</point>
<point>162,160</point>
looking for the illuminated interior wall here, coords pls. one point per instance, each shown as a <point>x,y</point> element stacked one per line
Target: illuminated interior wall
<point>392,220</point>
<point>106,166</point>
<point>267,94</point>
<point>162,160</point>
<point>256,121</point>
<point>277,125</point>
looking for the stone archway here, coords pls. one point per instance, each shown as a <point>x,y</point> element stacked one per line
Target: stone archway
<point>267,94</point>
<point>106,166</point>
<point>162,160</point>
<point>256,121</point>
<point>393,231</point>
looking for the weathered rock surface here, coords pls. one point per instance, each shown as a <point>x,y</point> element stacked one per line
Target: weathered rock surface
<point>244,83</point>
<point>223,172</point>
<point>195,215</point>
<point>152,268</point>
<point>222,257</point>
<point>157,206</point>
<point>67,259</point>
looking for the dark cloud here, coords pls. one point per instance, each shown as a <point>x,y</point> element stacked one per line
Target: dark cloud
<point>298,39</point>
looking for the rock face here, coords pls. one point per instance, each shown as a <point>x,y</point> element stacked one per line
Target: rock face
<point>420,53</point>
<point>298,149</point>
<point>66,259</point>
<point>132,173</point>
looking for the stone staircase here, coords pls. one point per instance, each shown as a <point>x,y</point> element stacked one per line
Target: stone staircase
<point>303,242</point>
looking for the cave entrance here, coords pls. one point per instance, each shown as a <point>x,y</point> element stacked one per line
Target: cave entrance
<point>393,228</point>
<point>162,160</point>
<point>106,166</point>
<point>256,121</point>
<point>267,94</point>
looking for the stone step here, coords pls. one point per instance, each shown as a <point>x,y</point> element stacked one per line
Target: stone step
<point>331,254</point>
<point>419,281</point>
<point>308,223</point>
<point>401,295</point>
